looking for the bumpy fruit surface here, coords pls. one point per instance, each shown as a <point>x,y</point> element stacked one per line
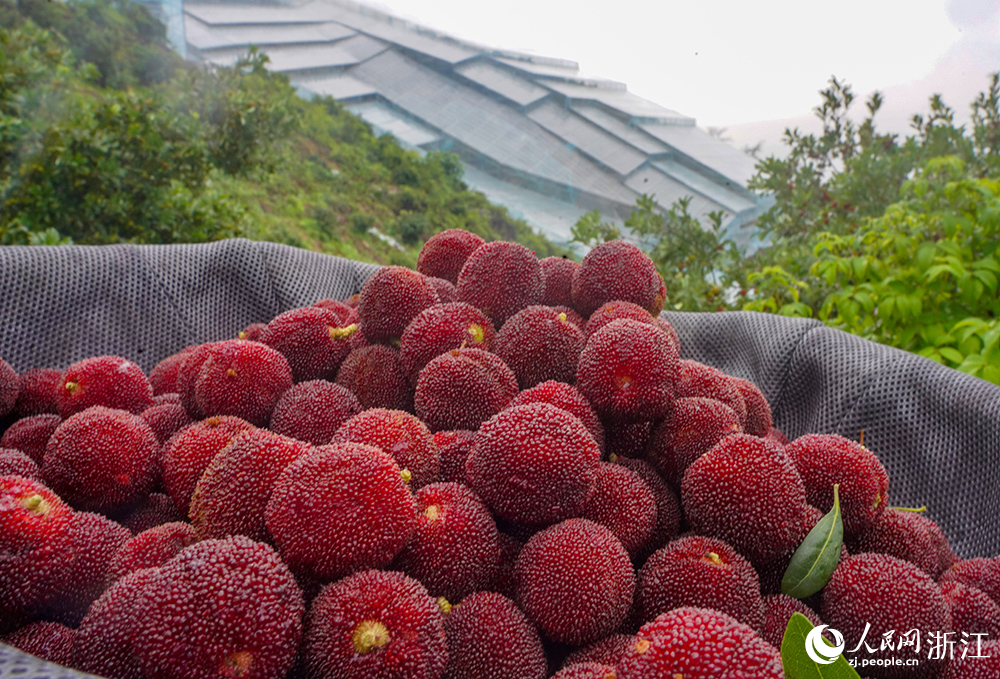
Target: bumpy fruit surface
<point>616,270</point>
<point>501,278</point>
<point>444,254</point>
<point>539,343</point>
<point>489,638</point>
<point>402,436</point>
<point>462,389</point>
<point>389,300</point>
<point>241,378</point>
<point>440,329</point>
<point>109,381</point>
<point>313,411</point>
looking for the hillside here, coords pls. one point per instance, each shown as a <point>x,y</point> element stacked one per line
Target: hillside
<point>108,136</point>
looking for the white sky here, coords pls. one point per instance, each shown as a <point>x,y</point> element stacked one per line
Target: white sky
<point>734,63</point>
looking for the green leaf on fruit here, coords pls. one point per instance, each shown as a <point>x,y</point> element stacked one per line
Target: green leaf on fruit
<point>816,558</point>
<point>795,658</point>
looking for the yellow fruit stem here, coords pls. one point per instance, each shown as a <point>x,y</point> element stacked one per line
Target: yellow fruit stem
<point>405,473</point>
<point>477,333</point>
<point>432,512</point>
<point>72,387</point>
<point>36,504</point>
<point>343,333</point>
<point>231,372</point>
<point>444,605</point>
<point>368,636</point>
<point>238,664</point>
<point>714,558</point>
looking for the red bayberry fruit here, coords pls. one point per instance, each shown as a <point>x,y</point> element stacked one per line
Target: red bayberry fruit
<point>243,379</point>
<point>314,340</point>
<point>440,329</point>
<point>985,664</point>
<point>444,253</point>
<point>778,610</point>
<point>971,611</point>
<point>901,534</point>
<point>402,436</point>
<point>616,270</point>
<point>150,549</point>
<point>700,643</point>
<point>377,624</point>
<point>232,494</point>
<point>575,581</point>
<point>102,459</point>
<point>746,492</point>
<point>15,463</point>
<point>163,376</point>
<point>983,574</point>
<point>586,670</point>
<point>37,392</point>
<point>390,299</point>
<point>539,343</point>
<point>501,278</point>
<point>624,504</point>
<point>557,280</point>
<point>166,419</point>
<point>567,397</point>
<point>446,290</point>
<point>375,375</point>
<point>489,638</point>
<point>50,641</point>
<point>627,371</point>
<point>692,428</point>
<point>10,387</point>
<point>698,379</point>
<point>220,608</point>
<point>609,651</point>
<point>462,389</point>
<point>758,421</point>
<point>455,549</point>
<point>109,381</point>
<point>454,447</point>
<point>668,507</point>
<point>31,435</point>
<point>534,464</point>
<point>313,411</point>
<point>343,508</point>
<point>155,510</point>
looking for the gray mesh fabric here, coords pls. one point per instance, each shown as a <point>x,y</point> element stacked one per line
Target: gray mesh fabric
<point>936,431</point>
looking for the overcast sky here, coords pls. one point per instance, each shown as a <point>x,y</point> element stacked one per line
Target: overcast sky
<point>752,67</point>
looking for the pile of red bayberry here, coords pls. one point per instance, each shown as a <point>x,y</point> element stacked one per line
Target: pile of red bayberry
<point>493,466</point>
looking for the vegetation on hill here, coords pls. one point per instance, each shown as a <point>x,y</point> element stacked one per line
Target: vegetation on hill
<point>891,238</point>
<point>108,136</point>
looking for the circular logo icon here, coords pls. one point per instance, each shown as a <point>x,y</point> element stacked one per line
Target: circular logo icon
<point>820,650</point>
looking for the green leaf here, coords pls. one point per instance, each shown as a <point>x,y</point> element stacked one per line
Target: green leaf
<point>952,355</point>
<point>816,558</point>
<point>796,661</point>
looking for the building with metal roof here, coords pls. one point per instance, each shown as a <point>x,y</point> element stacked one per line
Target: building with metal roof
<point>533,134</point>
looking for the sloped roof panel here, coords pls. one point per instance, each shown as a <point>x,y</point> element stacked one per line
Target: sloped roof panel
<point>621,100</point>
<point>521,91</point>
<point>437,47</point>
<point>702,147</point>
<point>555,70</point>
<point>736,200</point>
<point>305,57</point>
<point>589,138</point>
<point>618,127</point>
<point>481,123</point>
<point>223,14</point>
<point>208,38</point>
<point>339,87</point>
<point>386,119</point>
<point>667,191</point>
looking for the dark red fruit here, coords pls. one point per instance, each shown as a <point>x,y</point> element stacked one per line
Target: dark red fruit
<point>155,510</point>
<point>613,311</point>
<point>220,608</point>
<point>343,508</point>
<point>166,419</point>
<point>776,436</point>
<point>31,435</point>
<point>446,290</point>
<point>455,549</point>
<point>746,492</point>
<point>232,494</point>
<point>505,582</point>
<point>586,670</point>
<point>150,549</point>
<point>627,439</point>
<point>888,594</point>
<point>15,463</point>
<point>616,270</point>
<point>402,436</point>
<point>163,376</point>
<point>823,460</point>
<point>610,650</point>
<point>534,464</point>
<point>692,428</point>
<point>375,624</point>
<point>440,329</point>
<point>37,392</point>
<point>462,389</point>
<point>375,375</point>
<point>241,378</point>
<point>489,638</point>
<point>103,642</point>
<point>313,411</point>
<point>501,278</point>
<point>698,379</point>
<point>627,371</point>
<point>983,574</point>
<point>567,397</point>
<point>981,662</point>
<point>573,317</point>
<point>778,610</point>
<point>758,421</point>
<point>971,611</point>
<point>50,641</point>
<point>10,387</point>
<point>624,504</point>
<point>390,299</point>
<point>38,540</point>
<point>252,332</point>
<point>102,459</point>
<point>668,507</point>
<point>900,534</point>
<point>557,280</point>
<point>187,373</point>
<point>314,340</point>
<point>188,453</point>
<point>700,643</point>
<point>454,447</point>
<point>704,573</point>
<point>575,581</point>
<point>539,343</point>
<point>444,253</point>
<point>109,381</point>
